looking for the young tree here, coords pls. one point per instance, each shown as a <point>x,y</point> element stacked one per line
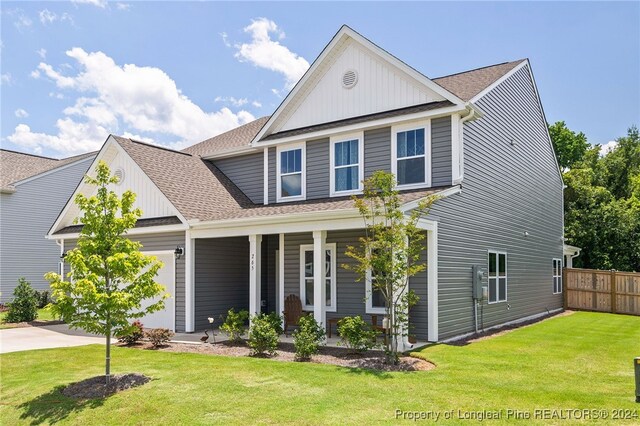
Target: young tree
<point>569,146</point>
<point>109,277</point>
<point>389,252</point>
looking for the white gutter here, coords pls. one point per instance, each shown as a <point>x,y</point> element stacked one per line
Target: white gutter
<point>232,152</point>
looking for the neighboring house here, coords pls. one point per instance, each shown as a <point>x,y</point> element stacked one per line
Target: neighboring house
<point>33,191</point>
<point>263,211</point>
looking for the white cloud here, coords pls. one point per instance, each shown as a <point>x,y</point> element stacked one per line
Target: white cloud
<point>231,100</point>
<point>42,53</point>
<point>34,74</point>
<point>608,147</point>
<point>99,3</point>
<point>256,104</point>
<point>20,20</point>
<point>20,113</point>
<point>56,95</point>
<point>6,78</point>
<point>123,6</point>
<point>266,53</point>
<point>110,96</point>
<point>225,39</point>
<point>47,17</point>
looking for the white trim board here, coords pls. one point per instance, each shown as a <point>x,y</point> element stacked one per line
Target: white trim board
<point>366,125</point>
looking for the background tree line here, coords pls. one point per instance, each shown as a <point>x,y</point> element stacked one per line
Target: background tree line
<point>601,199</point>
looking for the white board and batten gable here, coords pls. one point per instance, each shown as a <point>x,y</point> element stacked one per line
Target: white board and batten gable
<point>352,77</point>
<point>149,199</point>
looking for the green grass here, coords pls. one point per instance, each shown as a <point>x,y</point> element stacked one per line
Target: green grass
<point>44,314</point>
<point>580,361</point>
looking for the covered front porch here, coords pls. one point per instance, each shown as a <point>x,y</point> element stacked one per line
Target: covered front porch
<point>258,267</point>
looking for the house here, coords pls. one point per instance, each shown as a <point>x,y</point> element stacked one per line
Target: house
<point>264,211</point>
<point>33,191</point>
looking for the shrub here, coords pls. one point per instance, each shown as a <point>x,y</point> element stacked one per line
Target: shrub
<point>233,325</point>
<point>356,334</point>
<point>132,334</point>
<point>307,338</point>
<point>24,306</point>
<point>43,298</point>
<point>276,322</point>
<point>159,336</point>
<point>263,337</point>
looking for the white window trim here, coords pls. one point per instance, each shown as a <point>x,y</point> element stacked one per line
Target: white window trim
<point>369,290</point>
<point>303,183</point>
<point>555,259</point>
<point>303,289</point>
<point>506,272</point>
<point>426,125</point>
<point>359,136</point>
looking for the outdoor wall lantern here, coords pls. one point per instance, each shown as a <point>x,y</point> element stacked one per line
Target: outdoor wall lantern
<point>178,252</point>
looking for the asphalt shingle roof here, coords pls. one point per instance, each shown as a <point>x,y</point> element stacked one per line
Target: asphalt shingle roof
<point>17,166</point>
<point>237,138</point>
<point>468,84</point>
<point>199,190</point>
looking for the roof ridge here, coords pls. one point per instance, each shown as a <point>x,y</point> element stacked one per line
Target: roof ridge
<point>164,148</point>
<point>478,69</point>
<point>32,155</point>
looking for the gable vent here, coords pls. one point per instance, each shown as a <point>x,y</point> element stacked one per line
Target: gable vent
<point>349,79</point>
<point>120,175</point>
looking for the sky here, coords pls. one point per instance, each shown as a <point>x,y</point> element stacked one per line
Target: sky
<point>176,73</point>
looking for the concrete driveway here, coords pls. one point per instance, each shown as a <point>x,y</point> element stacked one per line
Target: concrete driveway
<point>50,336</point>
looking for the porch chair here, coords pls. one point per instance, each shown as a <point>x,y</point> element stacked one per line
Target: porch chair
<point>292,311</point>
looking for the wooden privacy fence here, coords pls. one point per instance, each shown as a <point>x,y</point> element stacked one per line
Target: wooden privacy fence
<point>602,291</point>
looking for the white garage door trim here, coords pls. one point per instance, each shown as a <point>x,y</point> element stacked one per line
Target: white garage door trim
<point>172,266</point>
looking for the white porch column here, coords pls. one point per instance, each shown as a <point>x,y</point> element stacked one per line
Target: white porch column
<point>319,286</point>
<point>432,284</point>
<point>281,275</point>
<point>255,282</point>
<point>189,282</point>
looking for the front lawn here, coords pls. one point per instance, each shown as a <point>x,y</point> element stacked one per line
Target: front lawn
<point>44,314</point>
<point>580,361</point>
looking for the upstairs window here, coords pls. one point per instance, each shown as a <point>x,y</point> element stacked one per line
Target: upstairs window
<point>497,276</point>
<point>346,165</point>
<point>410,156</point>
<point>557,276</point>
<point>291,182</point>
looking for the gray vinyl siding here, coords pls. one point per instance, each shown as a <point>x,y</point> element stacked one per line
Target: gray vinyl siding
<point>247,172</point>
<point>221,278</point>
<point>25,218</point>
<point>318,169</point>
<point>160,242</point>
<point>507,190</point>
<point>350,293</point>
<point>272,175</point>
<point>441,151</point>
<point>377,150</point>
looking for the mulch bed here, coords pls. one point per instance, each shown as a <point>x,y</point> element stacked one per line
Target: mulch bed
<point>372,360</point>
<point>96,387</point>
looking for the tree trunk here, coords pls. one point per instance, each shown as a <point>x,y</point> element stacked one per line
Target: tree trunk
<point>108,359</point>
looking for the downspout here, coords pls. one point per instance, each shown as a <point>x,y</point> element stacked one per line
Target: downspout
<point>471,115</point>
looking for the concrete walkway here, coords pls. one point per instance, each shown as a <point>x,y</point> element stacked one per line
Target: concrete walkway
<point>50,336</point>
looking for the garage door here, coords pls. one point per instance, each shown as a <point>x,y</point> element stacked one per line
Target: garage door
<point>166,277</point>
